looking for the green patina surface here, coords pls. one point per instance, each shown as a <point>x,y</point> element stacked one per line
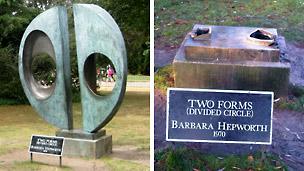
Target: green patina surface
<point>97,32</point>
<point>48,33</point>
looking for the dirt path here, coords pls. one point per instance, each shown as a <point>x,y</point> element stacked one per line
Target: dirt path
<point>295,53</point>
<point>163,57</point>
<point>129,153</point>
<point>288,137</point>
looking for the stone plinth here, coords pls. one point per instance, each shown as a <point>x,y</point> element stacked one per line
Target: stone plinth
<point>82,144</point>
<point>230,62</point>
<point>230,44</point>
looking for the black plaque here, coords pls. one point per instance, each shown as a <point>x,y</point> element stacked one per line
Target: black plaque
<point>219,116</point>
<point>46,145</point>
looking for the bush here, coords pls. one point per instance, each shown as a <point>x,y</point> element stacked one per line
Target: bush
<point>10,86</point>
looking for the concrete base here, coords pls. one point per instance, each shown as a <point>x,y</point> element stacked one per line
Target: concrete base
<point>82,144</point>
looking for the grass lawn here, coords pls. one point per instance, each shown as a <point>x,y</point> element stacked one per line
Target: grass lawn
<point>187,159</point>
<point>27,165</point>
<point>138,78</point>
<point>118,165</point>
<point>129,127</point>
<point>174,18</point>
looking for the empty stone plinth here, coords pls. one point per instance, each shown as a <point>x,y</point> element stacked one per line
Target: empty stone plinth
<point>234,64</point>
<point>82,144</point>
<point>230,44</point>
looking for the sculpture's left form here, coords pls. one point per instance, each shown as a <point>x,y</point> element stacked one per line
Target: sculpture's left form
<point>48,33</point>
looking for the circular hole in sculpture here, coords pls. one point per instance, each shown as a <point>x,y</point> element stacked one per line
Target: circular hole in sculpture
<point>38,63</point>
<point>100,74</point>
<point>43,68</point>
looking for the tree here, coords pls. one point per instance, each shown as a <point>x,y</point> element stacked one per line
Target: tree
<point>14,17</point>
<point>133,18</point>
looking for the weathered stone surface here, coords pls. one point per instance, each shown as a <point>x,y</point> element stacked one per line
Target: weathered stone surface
<point>79,143</point>
<point>97,32</point>
<point>229,43</point>
<point>88,148</point>
<point>48,33</point>
<point>80,134</point>
<point>236,75</point>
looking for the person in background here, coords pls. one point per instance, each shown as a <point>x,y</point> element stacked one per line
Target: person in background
<point>110,73</point>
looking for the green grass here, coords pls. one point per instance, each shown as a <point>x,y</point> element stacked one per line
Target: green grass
<point>138,78</point>
<point>28,166</point>
<point>164,78</point>
<point>130,126</point>
<point>173,19</point>
<point>118,165</point>
<point>187,159</point>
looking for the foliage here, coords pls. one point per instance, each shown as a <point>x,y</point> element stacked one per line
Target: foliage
<point>14,17</point>
<point>133,18</point>
<point>295,100</point>
<point>188,159</point>
<point>10,84</point>
<point>44,69</point>
<point>164,78</point>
